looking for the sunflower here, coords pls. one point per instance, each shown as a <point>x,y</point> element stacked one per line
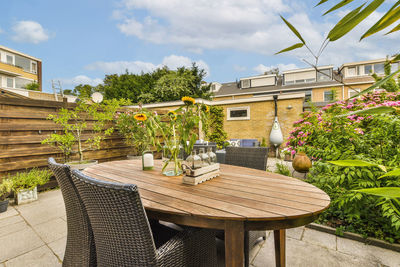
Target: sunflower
<point>188,100</point>
<point>172,114</point>
<point>140,117</point>
<point>205,108</point>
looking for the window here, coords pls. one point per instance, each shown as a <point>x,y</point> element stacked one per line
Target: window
<point>289,82</point>
<point>367,69</point>
<point>10,59</point>
<point>310,80</point>
<point>10,82</point>
<point>379,68</point>
<point>351,71</point>
<point>328,96</point>
<point>324,75</point>
<point>245,83</point>
<point>308,97</point>
<point>300,81</point>
<point>21,83</point>
<point>353,92</point>
<point>394,67</point>
<point>239,113</point>
<point>34,70</point>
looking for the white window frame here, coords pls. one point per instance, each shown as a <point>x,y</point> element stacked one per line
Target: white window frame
<point>349,91</point>
<point>355,71</point>
<point>242,83</point>
<point>7,82</point>
<point>229,118</point>
<point>13,57</point>
<point>329,99</point>
<point>32,70</point>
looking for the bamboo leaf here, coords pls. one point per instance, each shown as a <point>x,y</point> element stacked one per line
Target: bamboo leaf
<point>375,85</point>
<point>395,172</point>
<point>396,58</point>
<point>338,32</point>
<point>352,163</point>
<point>293,29</point>
<point>295,46</point>
<point>339,5</point>
<point>395,29</point>
<point>321,2</point>
<point>388,192</point>
<point>370,111</point>
<point>388,19</point>
<point>345,20</point>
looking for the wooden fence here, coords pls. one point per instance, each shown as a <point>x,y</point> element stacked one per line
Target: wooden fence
<point>23,125</point>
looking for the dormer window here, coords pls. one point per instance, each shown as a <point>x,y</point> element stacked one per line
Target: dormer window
<point>245,83</point>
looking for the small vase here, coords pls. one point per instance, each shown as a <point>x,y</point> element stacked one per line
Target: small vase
<point>301,163</point>
<point>172,168</point>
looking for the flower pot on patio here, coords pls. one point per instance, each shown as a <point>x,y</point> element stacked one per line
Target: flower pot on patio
<point>3,206</point>
<point>26,196</point>
<point>301,163</point>
<point>80,165</point>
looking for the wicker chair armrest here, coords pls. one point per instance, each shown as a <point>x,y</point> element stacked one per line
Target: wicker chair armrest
<point>191,247</point>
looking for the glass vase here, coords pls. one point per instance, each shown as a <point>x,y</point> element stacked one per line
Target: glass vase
<point>172,168</point>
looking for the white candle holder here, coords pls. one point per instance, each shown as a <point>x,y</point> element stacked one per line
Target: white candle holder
<point>147,160</point>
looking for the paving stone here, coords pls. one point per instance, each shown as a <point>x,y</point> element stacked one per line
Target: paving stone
<point>10,220</point>
<point>295,233</point>
<point>58,247</point>
<point>11,211</point>
<point>52,230</point>
<point>12,228</point>
<point>374,254</point>
<point>319,238</point>
<point>18,243</point>
<point>39,212</point>
<point>299,253</point>
<point>40,257</point>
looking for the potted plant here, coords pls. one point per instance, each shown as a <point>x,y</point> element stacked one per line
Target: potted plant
<point>83,128</point>
<point>5,190</point>
<point>24,184</point>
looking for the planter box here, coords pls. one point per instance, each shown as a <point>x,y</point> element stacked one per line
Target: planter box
<point>3,205</point>
<point>26,196</point>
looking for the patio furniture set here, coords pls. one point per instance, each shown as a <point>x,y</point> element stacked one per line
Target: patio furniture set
<point>116,212</point>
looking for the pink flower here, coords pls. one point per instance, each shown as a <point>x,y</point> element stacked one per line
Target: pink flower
<point>359,130</point>
<point>293,152</point>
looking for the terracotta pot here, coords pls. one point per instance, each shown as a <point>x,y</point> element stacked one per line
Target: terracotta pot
<point>301,163</point>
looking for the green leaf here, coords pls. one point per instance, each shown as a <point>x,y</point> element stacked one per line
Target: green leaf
<point>395,29</point>
<point>352,163</point>
<point>293,29</point>
<point>352,21</point>
<point>345,20</point>
<point>396,58</point>
<point>321,2</point>
<point>388,192</point>
<point>375,85</point>
<point>339,5</point>
<point>388,19</point>
<point>295,46</point>
<point>395,172</point>
<point>370,111</point>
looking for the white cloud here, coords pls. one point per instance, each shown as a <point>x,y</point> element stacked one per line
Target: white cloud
<point>172,62</point>
<point>27,31</point>
<point>80,79</point>
<point>261,68</point>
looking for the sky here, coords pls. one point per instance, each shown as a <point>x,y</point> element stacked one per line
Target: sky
<point>80,41</point>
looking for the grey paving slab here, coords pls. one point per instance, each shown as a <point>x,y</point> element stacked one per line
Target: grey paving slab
<point>18,243</point>
<point>296,233</point>
<point>40,257</point>
<point>319,238</point>
<point>12,228</point>
<point>10,220</point>
<point>11,211</point>
<point>40,212</point>
<point>52,230</point>
<point>299,253</point>
<point>58,247</point>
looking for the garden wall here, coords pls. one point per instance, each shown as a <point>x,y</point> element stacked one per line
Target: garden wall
<point>23,125</point>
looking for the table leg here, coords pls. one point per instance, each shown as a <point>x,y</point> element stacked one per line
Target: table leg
<point>234,243</point>
<point>280,247</point>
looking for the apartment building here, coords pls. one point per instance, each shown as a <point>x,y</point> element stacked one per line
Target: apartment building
<point>18,69</point>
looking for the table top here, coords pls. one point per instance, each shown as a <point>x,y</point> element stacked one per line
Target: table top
<point>237,194</point>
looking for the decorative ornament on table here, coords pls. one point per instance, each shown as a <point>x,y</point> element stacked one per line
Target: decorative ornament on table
<point>147,160</point>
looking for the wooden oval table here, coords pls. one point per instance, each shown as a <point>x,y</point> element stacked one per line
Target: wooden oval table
<point>240,199</point>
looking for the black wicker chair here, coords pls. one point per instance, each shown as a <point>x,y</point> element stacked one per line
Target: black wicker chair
<point>255,158</point>
<point>80,249</point>
<point>122,232</point>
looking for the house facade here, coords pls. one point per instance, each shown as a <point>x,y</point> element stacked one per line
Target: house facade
<point>18,69</point>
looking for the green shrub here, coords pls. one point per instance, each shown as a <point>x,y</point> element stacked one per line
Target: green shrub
<point>29,180</point>
<point>34,86</point>
<point>5,188</point>
<point>282,168</point>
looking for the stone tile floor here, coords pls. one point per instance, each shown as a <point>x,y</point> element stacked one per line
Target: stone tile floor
<point>34,234</point>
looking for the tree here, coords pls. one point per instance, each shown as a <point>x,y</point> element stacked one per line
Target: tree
<point>34,86</point>
<point>390,85</point>
<point>85,90</point>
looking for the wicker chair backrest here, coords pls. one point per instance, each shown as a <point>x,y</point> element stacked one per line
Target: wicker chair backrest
<point>250,157</point>
<point>121,230</point>
<point>80,249</point>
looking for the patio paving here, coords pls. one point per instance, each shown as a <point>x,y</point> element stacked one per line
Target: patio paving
<point>34,234</point>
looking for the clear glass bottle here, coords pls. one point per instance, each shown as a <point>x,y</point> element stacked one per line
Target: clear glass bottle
<point>194,160</point>
<point>211,155</point>
<point>204,158</point>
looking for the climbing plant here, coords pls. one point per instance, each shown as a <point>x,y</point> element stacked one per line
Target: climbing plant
<point>213,126</point>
